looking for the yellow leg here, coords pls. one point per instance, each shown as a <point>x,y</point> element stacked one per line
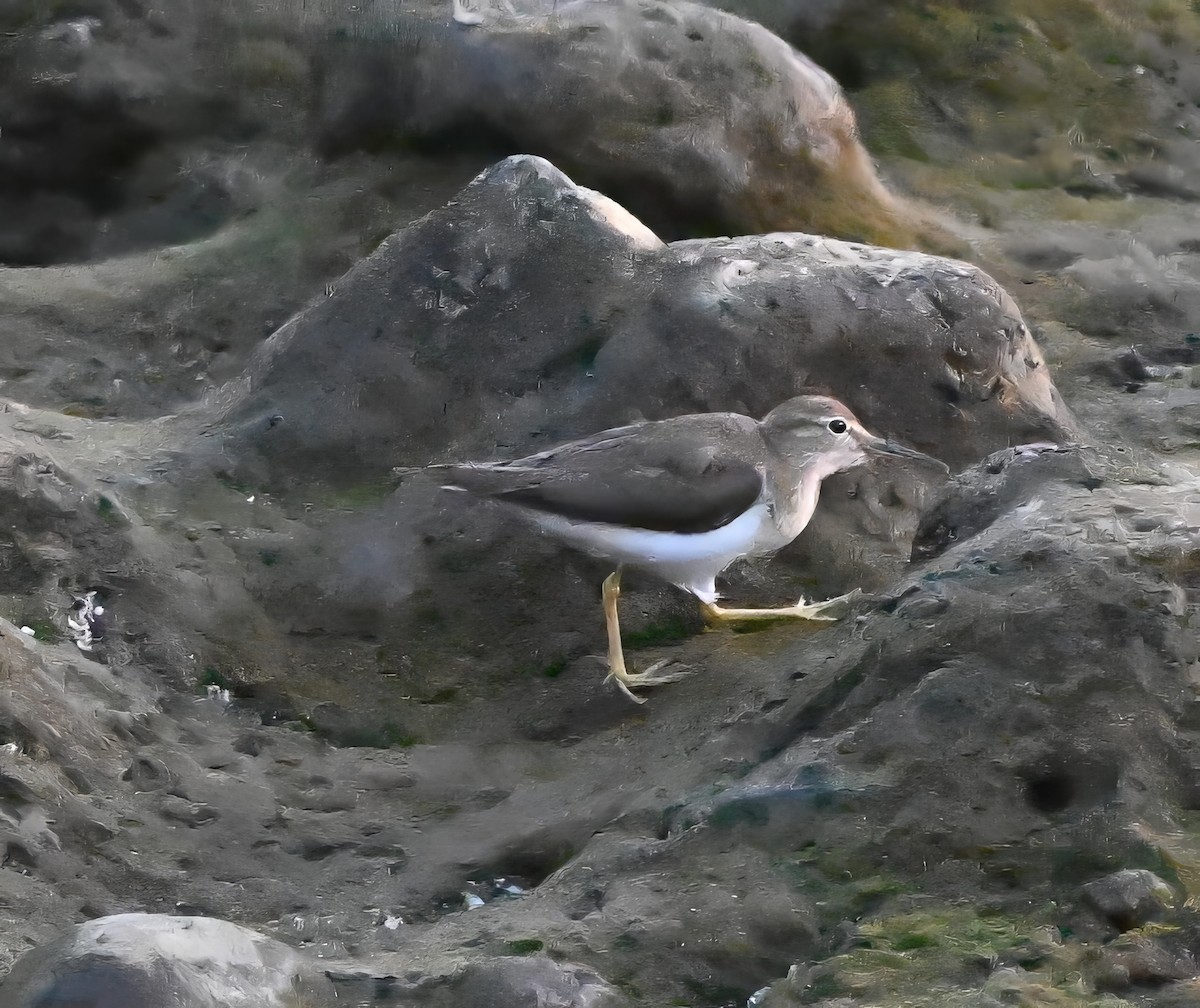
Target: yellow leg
<point>816,611</point>
<point>616,654</point>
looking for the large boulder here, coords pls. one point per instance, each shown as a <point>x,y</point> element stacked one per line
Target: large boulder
<point>386,371</point>
<point>486,798</point>
<point>187,176</point>
<point>1129,899</point>
<point>699,121</point>
<point>151,960</point>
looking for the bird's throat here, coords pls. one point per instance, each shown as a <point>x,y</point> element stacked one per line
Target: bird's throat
<point>795,506</point>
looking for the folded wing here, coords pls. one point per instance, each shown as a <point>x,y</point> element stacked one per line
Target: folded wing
<point>665,476</point>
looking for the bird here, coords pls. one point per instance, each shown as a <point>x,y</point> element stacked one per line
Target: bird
<point>683,498</point>
<point>86,622</point>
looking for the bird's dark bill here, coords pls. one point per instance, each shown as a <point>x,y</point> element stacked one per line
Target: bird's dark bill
<point>886,447</point>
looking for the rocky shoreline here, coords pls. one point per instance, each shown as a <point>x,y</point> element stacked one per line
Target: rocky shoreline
<point>350,737</point>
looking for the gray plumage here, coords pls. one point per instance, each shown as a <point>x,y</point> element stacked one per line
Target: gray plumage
<point>688,474</point>
<point>684,498</point>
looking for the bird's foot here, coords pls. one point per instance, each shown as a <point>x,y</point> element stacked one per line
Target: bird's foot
<point>655,675</point>
<point>829,611</point>
<point>818,612</point>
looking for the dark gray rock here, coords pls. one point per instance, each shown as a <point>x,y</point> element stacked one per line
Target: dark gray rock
<point>1015,715</point>
<point>1181,994</point>
<point>1006,479</point>
<point>385,371</point>
<point>966,715</point>
<point>85,100</point>
<point>160,107</point>
<point>700,123</point>
<point>928,349</point>
<point>152,960</point>
<point>526,981</point>
<point>535,980</point>
<point>885,729</point>
<point>1130,898</point>
<point>1140,960</point>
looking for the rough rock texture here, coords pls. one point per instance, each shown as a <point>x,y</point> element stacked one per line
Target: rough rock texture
<point>385,371</point>
<point>416,774</point>
<point>535,981</point>
<point>698,121</point>
<point>1135,960</point>
<point>152,960</point>
<point>190,153</point>
<point>451,640</point>
<point>278,487</point>
<point>127,124</point>
<point>1130,898</point>
<point>927,348</point>
<point>922,741</point>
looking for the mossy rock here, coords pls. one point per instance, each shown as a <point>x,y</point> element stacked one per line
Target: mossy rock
<point>952,957</point>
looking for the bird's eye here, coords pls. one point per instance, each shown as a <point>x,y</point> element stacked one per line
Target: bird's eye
<point>837,425</point>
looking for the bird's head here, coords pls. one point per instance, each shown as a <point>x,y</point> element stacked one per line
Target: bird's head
<point>824,437</point>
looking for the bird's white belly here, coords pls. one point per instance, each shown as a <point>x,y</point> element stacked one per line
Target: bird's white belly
<point>692,561</point>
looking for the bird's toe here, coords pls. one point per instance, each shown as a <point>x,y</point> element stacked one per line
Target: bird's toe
<point>656,674</point>
<point>623,683</point>
<point>828,611</point>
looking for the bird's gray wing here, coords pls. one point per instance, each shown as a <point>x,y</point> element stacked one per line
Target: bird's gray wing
<point>689,475</point>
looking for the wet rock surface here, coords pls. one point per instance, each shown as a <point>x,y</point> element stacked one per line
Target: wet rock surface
<point>362,718</point>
